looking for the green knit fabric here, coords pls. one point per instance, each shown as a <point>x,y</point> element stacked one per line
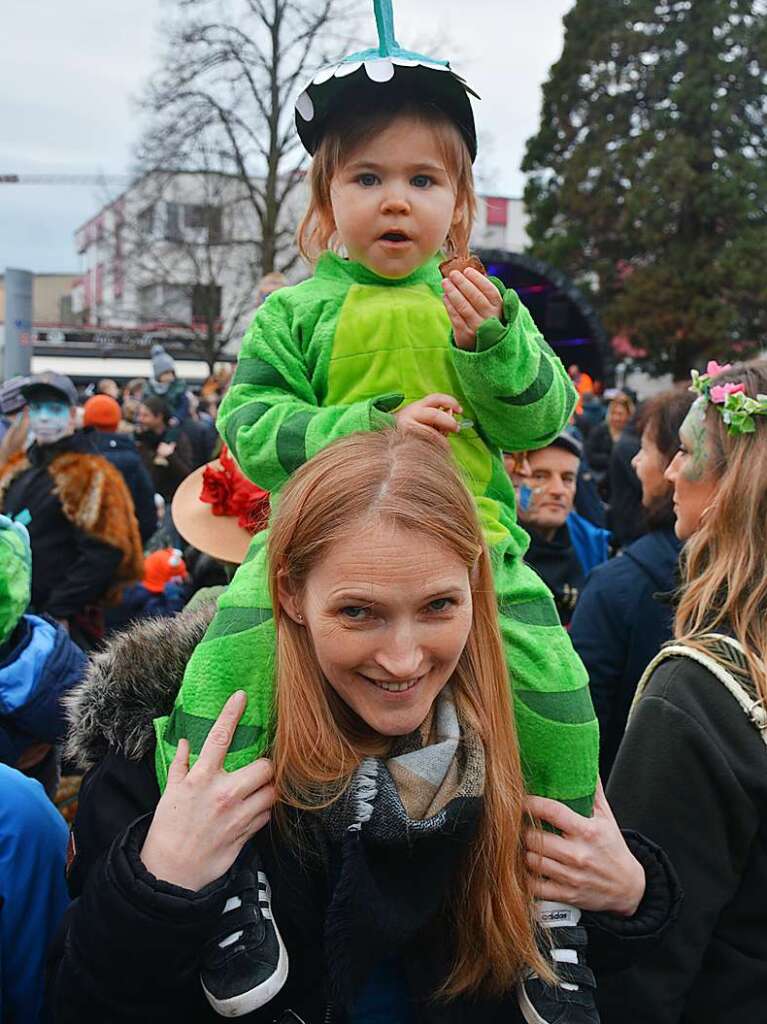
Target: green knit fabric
<point>15,574</point>
<point>337,354</point>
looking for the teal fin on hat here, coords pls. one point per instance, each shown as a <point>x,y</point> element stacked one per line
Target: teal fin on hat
<point>425,77</point>
<point>387,43</point>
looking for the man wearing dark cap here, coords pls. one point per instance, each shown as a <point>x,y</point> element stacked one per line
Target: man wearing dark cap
<point>77,508</point>
<point>564,547</point>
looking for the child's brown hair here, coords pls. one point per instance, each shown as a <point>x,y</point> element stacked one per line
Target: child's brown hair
<point>353,127</point>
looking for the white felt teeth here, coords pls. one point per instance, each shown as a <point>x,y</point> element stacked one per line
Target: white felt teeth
<point>377,70</point>
<point>304,106</point>
<point>324,74</point>
<point>348,68</point>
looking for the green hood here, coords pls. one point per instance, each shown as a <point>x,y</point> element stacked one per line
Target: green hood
<point>15,574</point>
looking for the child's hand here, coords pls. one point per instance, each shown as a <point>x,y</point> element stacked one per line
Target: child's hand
<point>434,412</point>
<point>470,299</point>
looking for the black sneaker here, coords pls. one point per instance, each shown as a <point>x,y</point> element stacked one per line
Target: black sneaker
<point>245,964</point>
<point>571,1001</point>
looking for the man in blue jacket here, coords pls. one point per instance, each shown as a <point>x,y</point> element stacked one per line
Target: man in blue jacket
<point>564,546</point>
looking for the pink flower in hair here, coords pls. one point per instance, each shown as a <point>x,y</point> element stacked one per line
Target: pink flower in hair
<point>714,369</point>
<point>719,392</point>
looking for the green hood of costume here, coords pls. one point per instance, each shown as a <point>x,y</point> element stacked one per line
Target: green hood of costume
<point>15,574</point>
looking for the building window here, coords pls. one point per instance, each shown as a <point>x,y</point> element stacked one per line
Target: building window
<point>147,301</point>
<point>175,303</point>
<point>173,222</point>
<point>206,302</point>
<point>497,211</point>
<point>200,216</point>
<point>146,221</point>
<point>66,313</point>
<point>88,290</point>
<point>118,273</point>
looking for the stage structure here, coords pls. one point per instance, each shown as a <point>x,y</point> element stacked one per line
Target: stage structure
<point>563,314</point>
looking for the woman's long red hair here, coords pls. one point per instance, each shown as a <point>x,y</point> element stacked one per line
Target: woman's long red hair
<point>411,481</point>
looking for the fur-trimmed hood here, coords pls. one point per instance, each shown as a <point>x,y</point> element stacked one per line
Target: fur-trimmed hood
<point>130,683</point>
<point>94,498</point>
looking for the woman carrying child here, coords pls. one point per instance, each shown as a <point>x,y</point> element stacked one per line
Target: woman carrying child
<point>380,339</point>
<point>395,853</point>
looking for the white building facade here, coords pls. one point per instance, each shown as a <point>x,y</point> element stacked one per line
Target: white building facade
<point>177,250</point>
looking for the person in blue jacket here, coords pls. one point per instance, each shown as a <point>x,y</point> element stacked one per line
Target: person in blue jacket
<point>564,546</point>
<point>33,893</point>
<point>624,613</point>
<point>38,665</point>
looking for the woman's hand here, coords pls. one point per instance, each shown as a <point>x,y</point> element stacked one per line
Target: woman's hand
<point>206,814</point>
<point>470,299</point>
<point>434,412</point>
<point>589,865</point>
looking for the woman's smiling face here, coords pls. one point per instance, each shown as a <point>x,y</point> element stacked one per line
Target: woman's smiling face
<point>389,612</point>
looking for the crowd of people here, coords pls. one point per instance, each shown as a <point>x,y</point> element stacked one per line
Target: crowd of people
<point>329,662</point>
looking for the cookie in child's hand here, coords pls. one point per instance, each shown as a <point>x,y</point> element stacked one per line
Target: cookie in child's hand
<point>462,263</point>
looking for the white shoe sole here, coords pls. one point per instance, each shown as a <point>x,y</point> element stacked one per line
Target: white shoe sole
<point>529,1012</point>
<point>254,998</point>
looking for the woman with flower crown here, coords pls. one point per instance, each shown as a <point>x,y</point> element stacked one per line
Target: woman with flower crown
<point>691,772</point>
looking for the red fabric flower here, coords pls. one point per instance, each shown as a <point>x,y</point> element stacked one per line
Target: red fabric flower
<point>217,490</point>
<point>232,494</point>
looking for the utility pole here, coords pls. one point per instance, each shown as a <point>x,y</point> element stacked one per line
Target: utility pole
<point>17,354</point>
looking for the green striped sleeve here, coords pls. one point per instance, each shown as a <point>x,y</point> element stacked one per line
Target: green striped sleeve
<point>515,383</point>
<point>270,418</point>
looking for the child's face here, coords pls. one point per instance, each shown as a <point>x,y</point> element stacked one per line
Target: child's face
<point>393,202</point>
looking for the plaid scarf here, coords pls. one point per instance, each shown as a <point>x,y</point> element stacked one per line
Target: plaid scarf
<point>404,795</point>
<point>403,828</point>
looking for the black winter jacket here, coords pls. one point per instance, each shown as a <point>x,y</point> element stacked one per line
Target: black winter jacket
<point>121,451</point>
<point>626,517</point>
<point>130,945</point>
<point>691,774</point>
<point>70,568</point>
<point>598,448</point>
<point>556,562</point>
<point>622,618</point>
<point>167,474</point>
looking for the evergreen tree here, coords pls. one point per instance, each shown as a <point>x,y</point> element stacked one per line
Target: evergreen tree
<point>648,176</point>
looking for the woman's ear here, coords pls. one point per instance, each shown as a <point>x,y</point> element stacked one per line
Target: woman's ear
<point>288,598</point>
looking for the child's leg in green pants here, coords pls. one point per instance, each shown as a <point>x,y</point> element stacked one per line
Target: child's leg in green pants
<point>556,725</point>
<point>236,653</point>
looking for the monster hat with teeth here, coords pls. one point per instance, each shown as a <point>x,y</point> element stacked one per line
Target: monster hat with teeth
<point>382,67</point>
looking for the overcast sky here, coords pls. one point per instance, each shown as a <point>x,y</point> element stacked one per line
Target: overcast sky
<point>70,72</point>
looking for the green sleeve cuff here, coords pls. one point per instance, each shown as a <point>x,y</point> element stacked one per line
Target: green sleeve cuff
<point>381,409</point>
<point>492,330</point>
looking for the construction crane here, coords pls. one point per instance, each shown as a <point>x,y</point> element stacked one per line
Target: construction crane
<point>64,179</point>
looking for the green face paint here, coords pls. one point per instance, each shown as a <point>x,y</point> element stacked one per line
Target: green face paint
<point>695,439</point>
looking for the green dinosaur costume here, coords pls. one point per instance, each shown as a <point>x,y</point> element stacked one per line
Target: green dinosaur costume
<point>338,354</point>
